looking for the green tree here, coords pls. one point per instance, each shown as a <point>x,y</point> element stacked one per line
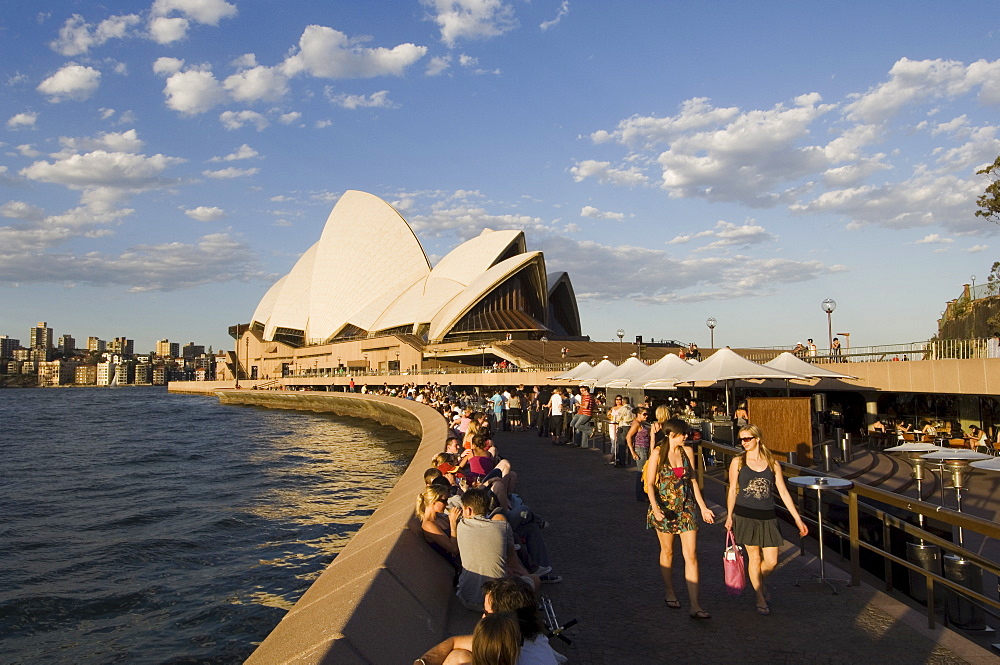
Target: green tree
<point>989,202</point>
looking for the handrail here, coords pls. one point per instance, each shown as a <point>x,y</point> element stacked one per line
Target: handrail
<point>856,507</point>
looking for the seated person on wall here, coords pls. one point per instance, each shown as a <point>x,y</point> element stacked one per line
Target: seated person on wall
<point>504,595</point>
<point>486,548</point>
<point>437,526</point>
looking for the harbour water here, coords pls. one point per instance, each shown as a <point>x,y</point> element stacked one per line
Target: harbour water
<point>146,527</point>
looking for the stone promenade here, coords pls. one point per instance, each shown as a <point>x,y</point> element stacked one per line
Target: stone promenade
<point>611,584</point>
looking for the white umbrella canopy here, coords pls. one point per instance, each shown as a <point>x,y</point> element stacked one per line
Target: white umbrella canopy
<point>630,368</point>
<point>788,362</point>
<point>597,371</point>
<point>727,365</point>
<point>574,373</point>
<point>663,374</point>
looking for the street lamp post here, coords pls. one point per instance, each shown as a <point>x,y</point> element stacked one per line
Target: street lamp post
<point>621,336</point>
<point>397,362</point>
<point>544,340</point>
<point>236,370</point>
<point>483,347</point>
<point>711,323</point>
<point>828,306</point>
<point>972,293</point>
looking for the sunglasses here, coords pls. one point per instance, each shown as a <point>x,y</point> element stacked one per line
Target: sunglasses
<point>747,439</point>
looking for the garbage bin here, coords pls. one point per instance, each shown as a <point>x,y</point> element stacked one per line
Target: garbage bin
<point>927,557</point>
<point>961,611</point>
<point>828,456</point>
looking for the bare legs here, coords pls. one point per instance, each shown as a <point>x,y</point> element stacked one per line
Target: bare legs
<point>689,549</point>
<point>762,562</point>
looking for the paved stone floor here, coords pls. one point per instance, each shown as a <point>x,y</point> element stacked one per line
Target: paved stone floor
<point>599,544</point>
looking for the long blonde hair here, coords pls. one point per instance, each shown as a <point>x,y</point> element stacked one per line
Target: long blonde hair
<point>755,432</point>
<point>428,497</point>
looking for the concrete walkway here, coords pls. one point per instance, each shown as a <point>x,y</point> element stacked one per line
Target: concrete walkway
<point>599,544</point>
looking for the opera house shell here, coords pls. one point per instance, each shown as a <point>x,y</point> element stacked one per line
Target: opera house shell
<point>369,276</point>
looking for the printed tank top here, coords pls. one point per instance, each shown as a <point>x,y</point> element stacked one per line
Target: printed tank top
<point>756,488</point>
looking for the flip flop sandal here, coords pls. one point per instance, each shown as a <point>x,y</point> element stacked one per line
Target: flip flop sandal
<point>673,604</point>
<point>764,611</point>
<point>701,615</point>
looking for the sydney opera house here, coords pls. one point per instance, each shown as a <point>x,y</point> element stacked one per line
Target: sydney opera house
<point>367,278</point>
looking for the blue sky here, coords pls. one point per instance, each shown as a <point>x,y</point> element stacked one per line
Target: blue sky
<point>163,162</point>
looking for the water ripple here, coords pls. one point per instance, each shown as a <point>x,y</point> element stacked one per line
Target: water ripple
<point>140,526</point>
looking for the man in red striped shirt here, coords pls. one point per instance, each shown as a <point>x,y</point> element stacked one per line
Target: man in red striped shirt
<point>581,424</point>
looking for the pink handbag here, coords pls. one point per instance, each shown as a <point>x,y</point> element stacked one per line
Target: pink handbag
<point>732,562</point>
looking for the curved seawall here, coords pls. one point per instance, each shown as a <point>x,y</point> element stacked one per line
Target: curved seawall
<point>385,596</point>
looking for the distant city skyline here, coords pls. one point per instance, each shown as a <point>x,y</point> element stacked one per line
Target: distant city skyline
<point>161,166</point>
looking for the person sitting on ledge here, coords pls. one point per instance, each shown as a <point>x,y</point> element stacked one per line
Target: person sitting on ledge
<point>499,596</point>
<point>436,526</point>
<point>486,548</point>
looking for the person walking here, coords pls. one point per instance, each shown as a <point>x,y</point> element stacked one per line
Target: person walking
<point>750,501</point>
<point>674,497</point>
<point>637,439</point>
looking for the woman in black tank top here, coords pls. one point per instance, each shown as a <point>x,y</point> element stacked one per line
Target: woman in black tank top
<point>752,481</point>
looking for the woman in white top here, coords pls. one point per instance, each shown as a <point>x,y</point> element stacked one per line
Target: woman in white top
<point>556,415</point>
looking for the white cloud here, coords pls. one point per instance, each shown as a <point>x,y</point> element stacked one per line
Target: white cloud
<point>239,119</point>
<point>167,66</point>
<point>20,120</point>
<point>467,60</point>
<point>208,12</point>
<point>127,141</point>
<point>563,11</point>
<point>164,30</point>
<point>243,152</point>
<point>934,239</point>
<point>72,81</point>
<point>977,248</point>
<point>214,258</point>
<point>918,81</point>
<point>471,19</point>
<point>591,211</point>
<point>76,37</point>
<point>231,172</point>
<point>105,170</point>
<point>289,118</point>
<point>438,65</point>
<point>327,53</point>
<point>924,199</point>
<point>256,84</point>
<point>378,99</point>
<point>605,173</point>
<point>206,213</point>
<point>22,210</point>
<point>28,150</point>
<point>191,92</point>
<point>745,160</point>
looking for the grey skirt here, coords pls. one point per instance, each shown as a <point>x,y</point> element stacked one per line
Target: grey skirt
<point>762,533</point>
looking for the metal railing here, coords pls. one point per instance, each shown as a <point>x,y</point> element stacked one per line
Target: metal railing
<point>858,500</point>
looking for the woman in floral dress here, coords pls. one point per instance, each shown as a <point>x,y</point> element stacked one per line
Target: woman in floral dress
<point>674,499</point>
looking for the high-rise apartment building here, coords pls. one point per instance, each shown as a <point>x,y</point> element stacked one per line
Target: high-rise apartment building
<point>96,345</point>
<point>40,336</point>
<point>67,344</point>
<point>7,346</point>
<point>192,351</point>
<point>121,346</point>
<point>167,349</point>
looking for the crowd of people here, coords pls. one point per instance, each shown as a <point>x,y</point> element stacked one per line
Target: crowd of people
<point>470,514</point>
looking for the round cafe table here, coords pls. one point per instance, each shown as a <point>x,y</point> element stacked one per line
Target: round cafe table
<point>820,484</point>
